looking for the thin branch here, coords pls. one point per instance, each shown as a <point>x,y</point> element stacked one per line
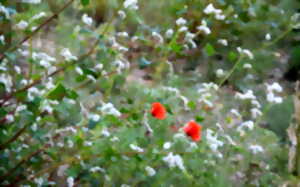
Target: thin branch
<point>2,56</point>
<point>15,137</point>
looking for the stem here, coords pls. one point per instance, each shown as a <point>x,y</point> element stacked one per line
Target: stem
<point>2,56</point>
<point>232,70</point>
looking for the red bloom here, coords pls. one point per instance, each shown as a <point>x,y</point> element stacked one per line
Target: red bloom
<point>193,130</point>
<point>158,111</point>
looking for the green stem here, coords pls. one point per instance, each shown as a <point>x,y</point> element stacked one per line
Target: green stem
<point>232,70</point>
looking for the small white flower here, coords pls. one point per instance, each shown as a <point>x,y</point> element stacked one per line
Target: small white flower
<point>122,14</point>
<point>183,29</point>
<point>220,73</point>
<point>223,42</point>
<point>150,171</point>
<point>213,141</point>
<point>174,161</point>
<point>268,36</point>
<point>256,149</point>
<point>167,145</point>
<point>136,148</point>
<point>131,4</point>
<point>247,66</point>
<point>235,112</point>
<point>248,95</point>
<point>2,40</point>
<point>180,21</point>
<point>210,9</point>
<point>274,99</point>
<point>158,37</point>
<point>99,66</point>
<point>79,70</point>
<point>32,1</point>
<point>94,117</point>
<point>246,52</point>
<point>38,16</point>
<point>274,87</point>
<point>97,168</point>
<point>70,181</point>
<point>22,25</point>
<point>87,20</point>
<point>255,112</point>
<point>204,28</point>
<point>5,11</point>
<point>105,132</point>
<point>247,124</point>
<point>68,55</point>
<point>122,34</point>
<point>169,33</point>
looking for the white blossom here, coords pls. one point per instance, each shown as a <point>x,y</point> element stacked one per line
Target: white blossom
<point>131,4</point>
<point>38,16</point>
<point>68,55</point>
<point>248,95</point>
<point>180,21</point>
<point>122,34</point>
<point>255,112</point>
<point>105,132</point>
<point>136,148</point>
<point>223,42</point>
<point>87,20</point>
<point>97,168</point>
<point>79,70</point>
<point>256,148</point>
<point>169,33</point>
<point>94,117</point>
<point>246,124</point>
<point>174,161</point>
<point>5,11</point>
<point>183,29</point>
<point>70,181</point>
<point>122,14</point>
<point>210,9</point>
<point>150,171</point>
<point>2,40</point>
<point>274,87</point>
<point>247,66</point>
<point>204,28</point>
<point>268,36</point>
<point>220,73</point>
<point>274,99</point>
<point>246,52</point>
<point>22,25</point>
<point>158,37</point>
<point>213,141</point>
<point>32,1</point>
<point>167,145</point>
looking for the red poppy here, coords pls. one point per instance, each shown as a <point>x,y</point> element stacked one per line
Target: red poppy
<point>158,111</point>
<point>193,130</point>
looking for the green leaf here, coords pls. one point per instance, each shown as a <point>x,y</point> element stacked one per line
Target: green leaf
<point>85,2</point>
<point>57,93</point>
<point>209,49</point>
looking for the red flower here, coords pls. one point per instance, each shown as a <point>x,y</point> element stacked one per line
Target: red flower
<point>158,111</point>
<point>193,130</point>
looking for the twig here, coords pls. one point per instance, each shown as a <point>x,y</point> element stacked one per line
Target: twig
<point>2,56</point>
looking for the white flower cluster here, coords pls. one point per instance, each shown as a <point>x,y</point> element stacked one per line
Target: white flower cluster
<point>271,89</point>
<point>205,93</point>
<point>109,109</point>
<point>38,16</point>
<point>5,11</point>
<point>22,25</point>
<point>87,20</point>
<point>179,95</point>
<point>68,55</point>
<point>43,58</point>
<point>256,149</point>
<point>246,124</point>
<point>210,9</point>
<point>204,28</point>
<point>131,4</point>
<point>150,171</point>
<point>7,81</point>
<point>121,65</point>
<point>2,39</point>
<point>246,52</point>
<point>32,1</point>
<point>136,148</point>
<point>213,141</point>
<point>174,161</point>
